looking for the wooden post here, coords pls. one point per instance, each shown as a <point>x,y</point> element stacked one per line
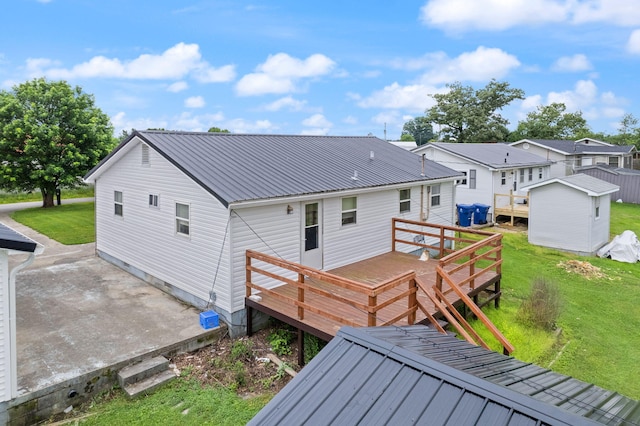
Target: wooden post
<point>441,242</point>
<point>300,347</point>
<point>300,296</point>
<point>496,301</point>
<point>413,301</point>
<point>511,204</point>
<point>249,321</point>
<point>373,301</point>
<point>438,285</point>
<point>247,272</point>
<point>472,269</point>
<point>393,234</point>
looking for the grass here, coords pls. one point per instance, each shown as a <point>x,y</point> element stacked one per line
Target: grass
<point>182,402</point>
<point>67,224</point>
<point>19,197</point>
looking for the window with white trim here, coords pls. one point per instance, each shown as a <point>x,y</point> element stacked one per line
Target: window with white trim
<point>503,178</point>
<point>118,203</point>
<point>613,161</point>
<point>539,172</point>
<point>145,154</point>
<point>182,218</point>
<point>472,179</point>
<point>405,200</point>
<point>463,180</point>
<point>435,195</point>
<point>597,205</point>
<point>349,210</point>
<point>530,174</point>
<point>521,175</point>
<point>154,200</point>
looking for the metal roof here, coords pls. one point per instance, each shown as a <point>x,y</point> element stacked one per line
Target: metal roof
<point>13,240</point>
<point>582,182</point>
<point>243,167</point>
<point>610,169</point>
<point>580,146</point>
<point>493,155</point>
<point>415,375</point>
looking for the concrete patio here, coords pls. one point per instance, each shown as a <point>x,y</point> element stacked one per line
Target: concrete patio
<point>81,319</point>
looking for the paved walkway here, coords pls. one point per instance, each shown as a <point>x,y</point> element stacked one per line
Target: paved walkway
<point>77,313</point>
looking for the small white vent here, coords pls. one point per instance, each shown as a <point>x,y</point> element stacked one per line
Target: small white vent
<point>145,155</point>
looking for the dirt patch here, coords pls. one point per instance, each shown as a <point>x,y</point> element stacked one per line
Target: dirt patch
<point>241,364</point>
<point>582,268</point>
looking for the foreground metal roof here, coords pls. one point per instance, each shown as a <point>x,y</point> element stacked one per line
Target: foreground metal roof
<point>13,240</point>
<point>493,155</point>
<point>415,375</point>
<point>242,167</point>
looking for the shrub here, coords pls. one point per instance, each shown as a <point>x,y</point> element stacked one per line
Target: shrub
<point>280,340</point>
<point>242,350</point>
<point>542,307</point>
<point>312,345</point>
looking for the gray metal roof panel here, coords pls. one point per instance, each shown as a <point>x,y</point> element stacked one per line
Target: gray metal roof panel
<point>13,240</point>
<point>583,182</point>
<point>239,167</point>
<point>494,155</point>
<point>579,147</point>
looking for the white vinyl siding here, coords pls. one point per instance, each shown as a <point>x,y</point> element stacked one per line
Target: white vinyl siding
<point>146,239</point>
<point>5,331</point>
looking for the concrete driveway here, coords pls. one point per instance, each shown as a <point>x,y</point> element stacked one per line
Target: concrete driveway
<point>77,313</point>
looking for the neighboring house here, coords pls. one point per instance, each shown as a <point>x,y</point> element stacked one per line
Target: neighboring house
<point>180,209</point>
<point>567,156</point>
<point>570,213</point>
<point>415,375</point>
<point>11,242</point>
<point>408,145</point>
<point>627,179</point>
<point>488,168</point>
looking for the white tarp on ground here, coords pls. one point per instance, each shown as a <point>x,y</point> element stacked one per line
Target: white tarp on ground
<point>623,248</point>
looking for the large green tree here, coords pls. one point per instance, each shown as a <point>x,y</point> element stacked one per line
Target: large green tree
<point>419,128</point>
<point>464,114</point>
<point>551,122</point>
<point>50,135</point>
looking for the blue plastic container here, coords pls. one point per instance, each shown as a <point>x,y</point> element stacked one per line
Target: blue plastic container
<point>209,319</point>
<point>480,213</point>
<point>465,211</point>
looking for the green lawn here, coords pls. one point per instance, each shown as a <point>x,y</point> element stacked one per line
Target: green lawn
<point>19,197</point>
<point>67,224</point>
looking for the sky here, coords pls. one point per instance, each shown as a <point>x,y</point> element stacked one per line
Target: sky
<point>324,67</point>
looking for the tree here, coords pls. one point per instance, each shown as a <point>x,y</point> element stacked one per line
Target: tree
<point>467,115</point>
<point>50,135</point>
<point>217,130</point>
<point>551,122</point>
<point>420,130</point>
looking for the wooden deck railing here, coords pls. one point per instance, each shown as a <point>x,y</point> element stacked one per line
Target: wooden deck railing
<point>508,205</point>
<point>365,299</point>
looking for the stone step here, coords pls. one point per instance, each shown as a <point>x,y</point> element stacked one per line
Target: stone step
<point>142,370</point>
<point>148,385</point>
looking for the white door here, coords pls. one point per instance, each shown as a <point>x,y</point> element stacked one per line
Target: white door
<point>312,235</point>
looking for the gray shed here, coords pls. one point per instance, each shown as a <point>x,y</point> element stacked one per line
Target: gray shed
<point>570,213</point>
<point>415,375</point>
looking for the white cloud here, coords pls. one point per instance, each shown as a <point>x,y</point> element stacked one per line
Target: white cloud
<point>350,119</point>
<point>497,15</point>
<point>633,45</point>
<point>174,63</point>
<point>582,96</point>
<point>178,86</point>
<point>197,123</point>
<point>575,63</point>
<point>240,125</point>
<point>280,73</point>
<point>121,122</point>
<point>287,102</point>
<point>482,64</point>
<point>194,102</point>
<point>317,120</point>
<point>413,97</point>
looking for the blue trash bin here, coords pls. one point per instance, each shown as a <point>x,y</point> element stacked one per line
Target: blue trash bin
<point>480,213</point>
<point>465,211</point>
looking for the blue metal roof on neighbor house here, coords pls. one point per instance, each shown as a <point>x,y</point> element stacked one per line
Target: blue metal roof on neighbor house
<point>239,167</point>
<point>415,375</point>
<point>493,155</point>
<point>581,146</point>
<point>12,240</point>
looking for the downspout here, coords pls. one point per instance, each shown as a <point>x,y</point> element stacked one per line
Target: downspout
<point>12,323</point>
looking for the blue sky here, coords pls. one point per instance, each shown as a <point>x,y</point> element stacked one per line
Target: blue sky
<point>335,68</point>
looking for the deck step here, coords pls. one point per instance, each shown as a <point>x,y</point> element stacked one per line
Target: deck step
<point>142,370</point>
<point>149,384</point>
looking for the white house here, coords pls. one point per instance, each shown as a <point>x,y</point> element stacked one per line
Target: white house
<point>570,213</point>
<point>568,155</point>
<point>180,209</point>
<point>488,168</point>
<point>11,242</point>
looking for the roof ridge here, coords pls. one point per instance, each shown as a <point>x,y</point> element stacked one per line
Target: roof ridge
<point>187,132</point>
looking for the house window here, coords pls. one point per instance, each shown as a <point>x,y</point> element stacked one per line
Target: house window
<point>472,179</point>
<point>145,154</point>
<point>503,178</point>
<point>597,205</point>
<point>182,219</point>
<point>540,173</point>
<point>154,200</point>
<point>349,207</point>
<point>613,161</point>
<point>435,195</point>
<point>521,175</point>
<point>405,200</point>
<point>530,174</point>
<point>463,180</point>
<point>117,203</point>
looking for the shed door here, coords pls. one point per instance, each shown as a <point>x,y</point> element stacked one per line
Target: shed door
<point>312,235</point>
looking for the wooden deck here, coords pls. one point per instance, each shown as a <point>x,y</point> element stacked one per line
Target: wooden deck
<point>395,288</point>
<point>511,205</point>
